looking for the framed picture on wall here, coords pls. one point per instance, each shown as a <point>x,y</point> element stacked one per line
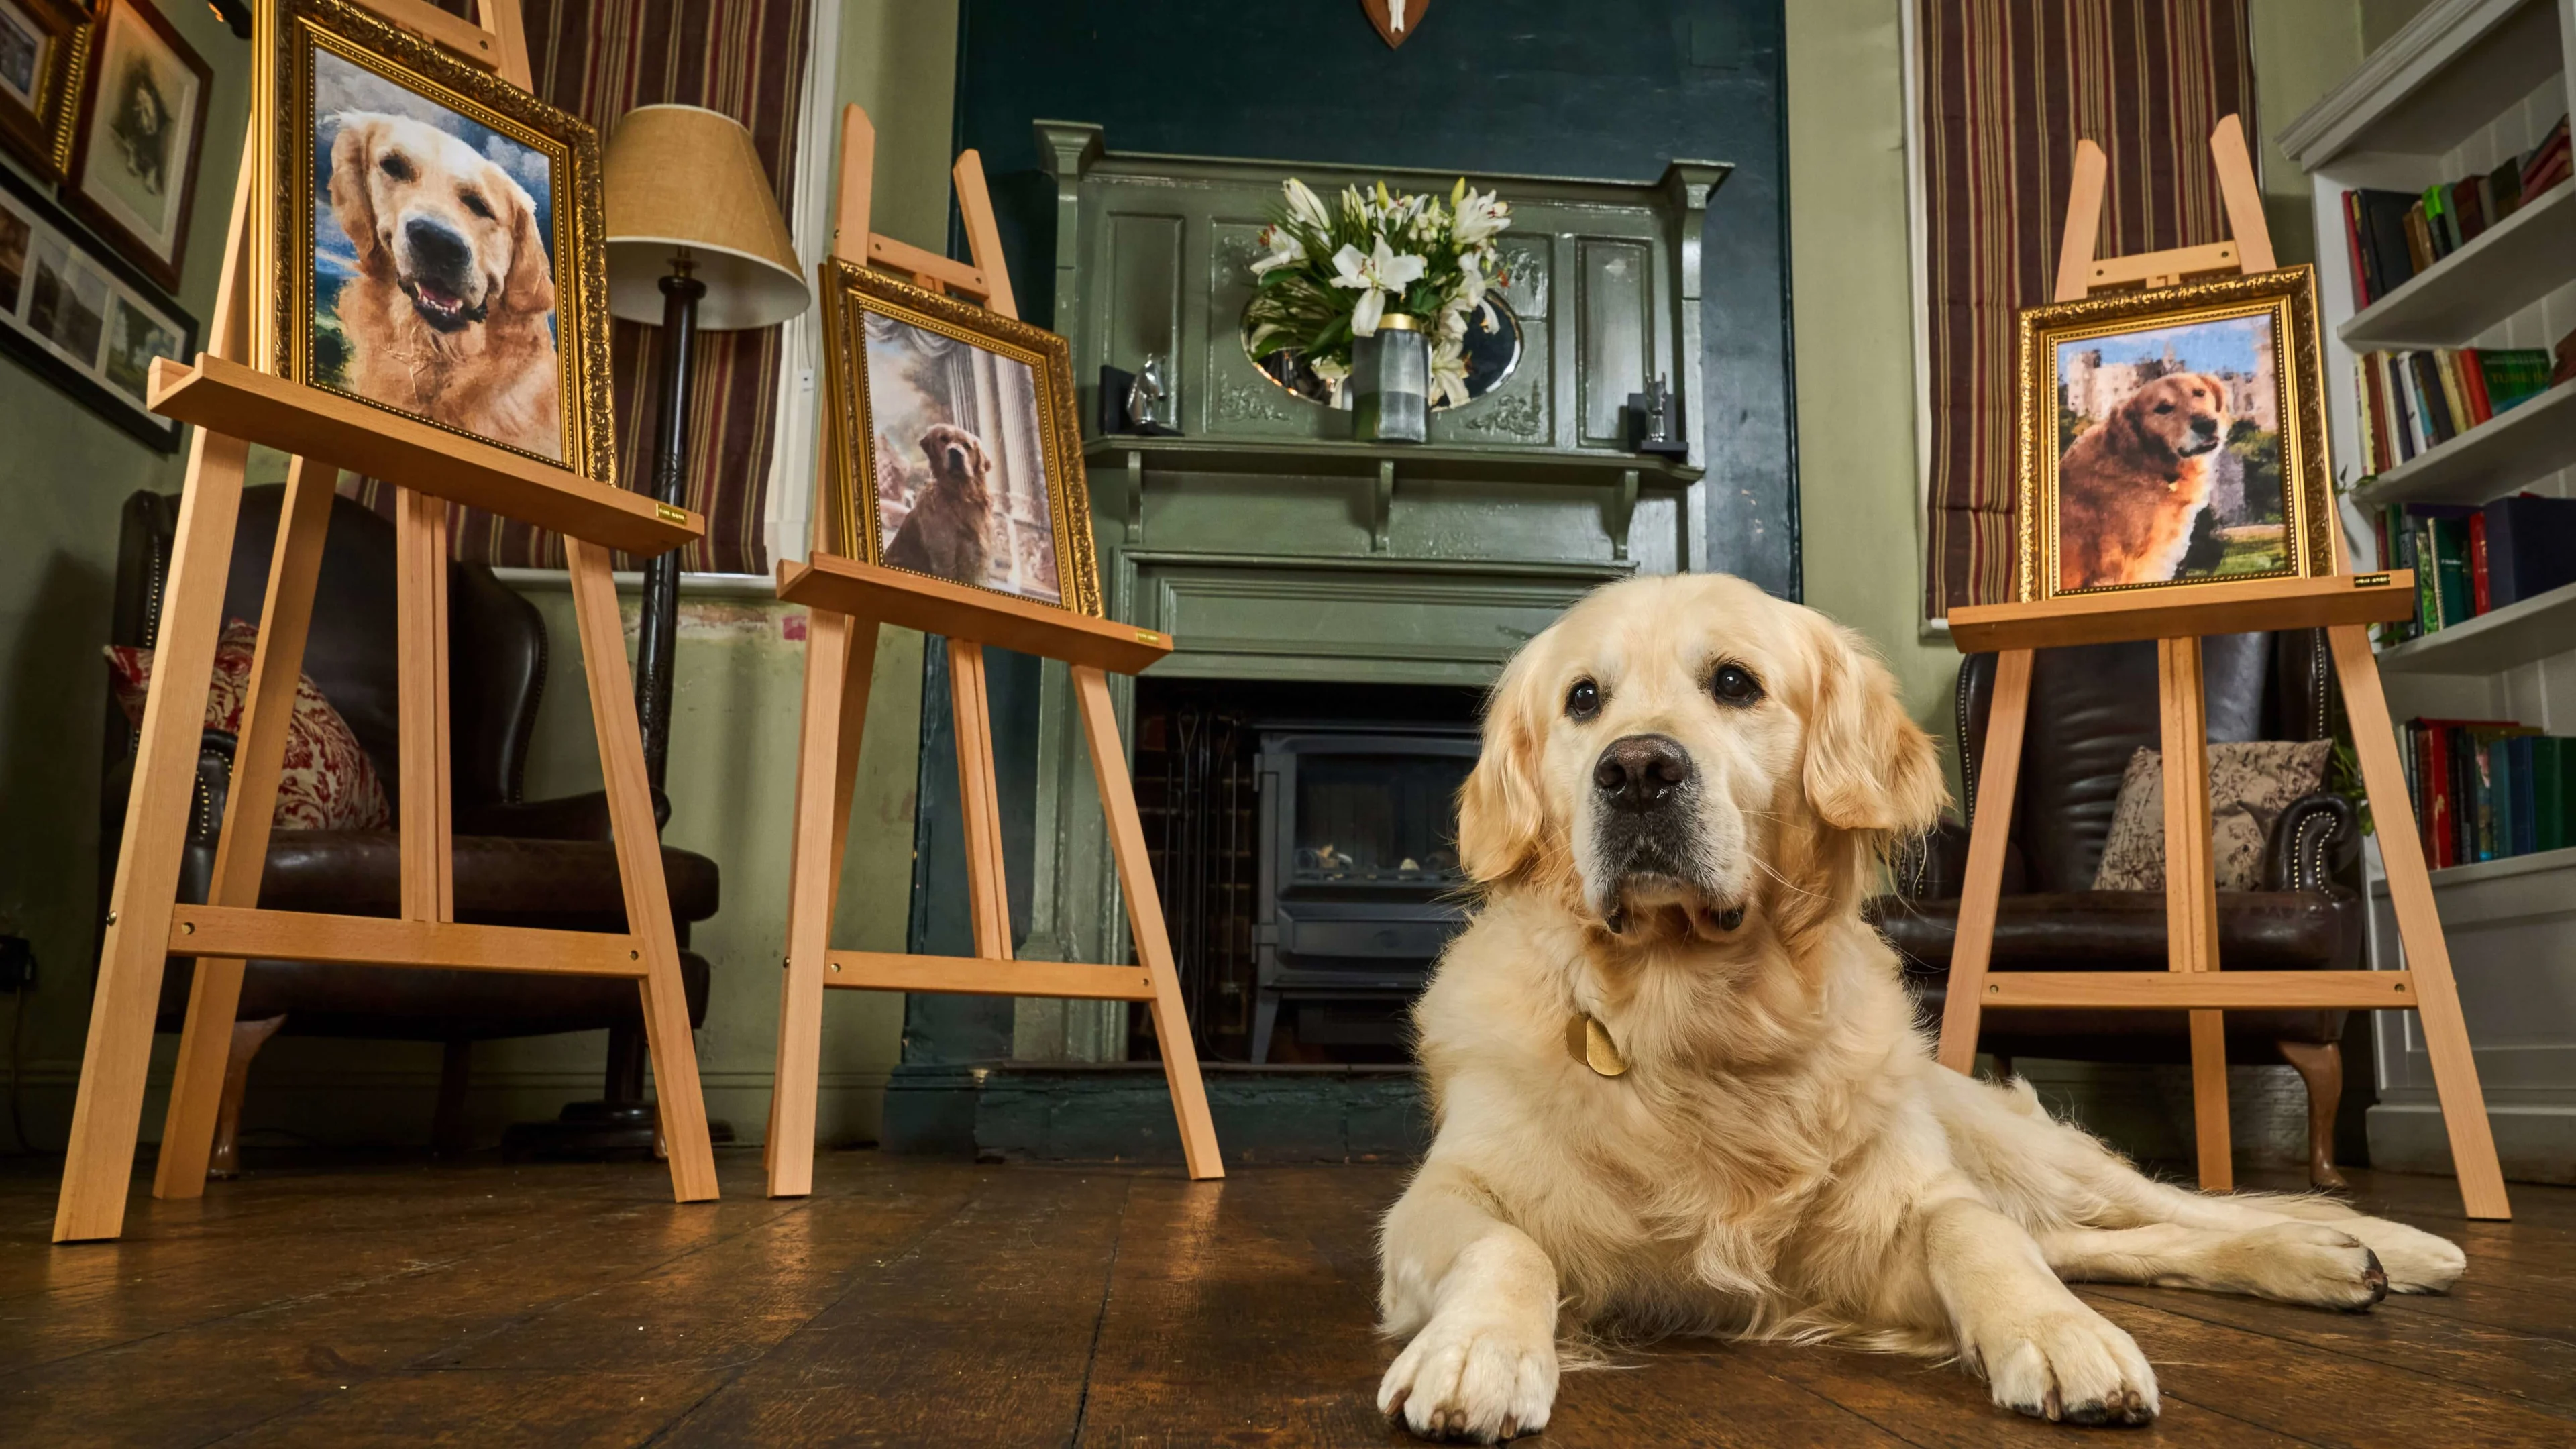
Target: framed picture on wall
<point>435,245</point>
<point>44,45</point>
<point>2173,437</point>
<point>83,318</point>
<point>955,452</point>
<point>143,122</point>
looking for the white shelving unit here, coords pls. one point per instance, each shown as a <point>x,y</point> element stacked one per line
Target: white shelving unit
<point>2467,84</point>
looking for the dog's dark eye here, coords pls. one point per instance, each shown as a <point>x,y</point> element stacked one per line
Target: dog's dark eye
<point>1734,684</point>
<point>1583,701</point>
<point>395,166</point>
<point>2164,407</point>
<point>475,203</point>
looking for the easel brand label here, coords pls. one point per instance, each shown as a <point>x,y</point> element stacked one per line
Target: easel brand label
<point>2370,581</point>
<point>1148,636</point>
<point>668,514</point>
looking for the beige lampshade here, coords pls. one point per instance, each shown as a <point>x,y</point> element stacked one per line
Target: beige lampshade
<point>685,176</point>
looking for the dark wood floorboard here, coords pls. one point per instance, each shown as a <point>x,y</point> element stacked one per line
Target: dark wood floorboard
<point>912,1302</point>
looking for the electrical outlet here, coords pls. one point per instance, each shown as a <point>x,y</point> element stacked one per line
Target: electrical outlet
<point>17,964</point>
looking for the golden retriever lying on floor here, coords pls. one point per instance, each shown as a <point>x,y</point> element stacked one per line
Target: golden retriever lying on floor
<point>446,318</point>
<point>1684,792</point>
<point>2129,488</point>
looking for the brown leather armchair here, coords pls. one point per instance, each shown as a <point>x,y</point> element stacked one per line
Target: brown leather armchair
<point>543,863</point>
<point>2090,709</point>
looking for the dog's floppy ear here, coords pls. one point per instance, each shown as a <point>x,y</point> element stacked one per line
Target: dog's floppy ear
<point>529,289</point>
<point>1868,767</point>
<point>1500,812</point>
<point>352,153</point>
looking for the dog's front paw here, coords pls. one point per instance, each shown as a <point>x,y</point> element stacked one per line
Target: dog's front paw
<point>1472,1378</point>
<point>2067,1363</point>
<point>2321,1264</point>
<point>2417,1261</point>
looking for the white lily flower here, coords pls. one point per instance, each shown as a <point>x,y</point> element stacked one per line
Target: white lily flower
<point>1472,285</point>
<point>1479,215</point>
<point>1305,207</point>
<point>1283,245</point>
<point>1375,275</point>
<point>1449,373</point>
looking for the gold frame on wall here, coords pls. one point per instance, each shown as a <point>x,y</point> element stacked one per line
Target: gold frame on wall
<point>43,137</point>
<point>850,292</point>
<point>2288,297</point>
<point>288,34</point>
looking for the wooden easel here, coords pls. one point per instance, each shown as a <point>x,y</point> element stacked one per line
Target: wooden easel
<point>849,600</point>
<point>2342,604</point>
<point>232,402</point>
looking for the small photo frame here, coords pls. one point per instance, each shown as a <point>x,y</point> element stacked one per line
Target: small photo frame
<point>436,247</point>
<point>133,169</point>
<point>82,318</point>
<point>44,51</point>
<point>955,452</point>
<point>2173,437</point>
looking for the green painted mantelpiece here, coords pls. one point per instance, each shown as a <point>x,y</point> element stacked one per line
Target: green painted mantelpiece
<point>1270,545</point>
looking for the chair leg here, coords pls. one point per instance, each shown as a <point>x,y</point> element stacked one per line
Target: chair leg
<point>448,1136</point>
<point>248,1037</point>
<point>2320,1065</point>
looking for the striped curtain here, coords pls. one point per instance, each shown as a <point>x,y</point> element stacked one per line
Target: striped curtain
<point>2008,88</point>
<point>600,59</point>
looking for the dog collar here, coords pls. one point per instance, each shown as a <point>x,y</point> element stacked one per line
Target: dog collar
<point>1588,1042</point>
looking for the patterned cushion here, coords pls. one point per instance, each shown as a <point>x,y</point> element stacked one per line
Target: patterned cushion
<point>328,783</point>
<point>2250,783</point>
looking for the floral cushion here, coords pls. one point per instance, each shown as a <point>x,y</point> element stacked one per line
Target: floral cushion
<point>2250,784</point>
<point>327,783</point>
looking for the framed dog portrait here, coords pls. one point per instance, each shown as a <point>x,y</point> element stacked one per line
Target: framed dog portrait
<point>436,246</point>
<point>44,50</point>
<point>2173,437</point>
<point>143,122</point>
<point>954,448</point>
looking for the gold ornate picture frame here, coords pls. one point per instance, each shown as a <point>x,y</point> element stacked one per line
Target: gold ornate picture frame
<point>2172,438</point>
<point>954,450</point>
<point>44,54</point>
<point>435,244</point>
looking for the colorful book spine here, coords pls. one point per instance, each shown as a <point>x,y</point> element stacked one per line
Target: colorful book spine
<point>2478,597</point>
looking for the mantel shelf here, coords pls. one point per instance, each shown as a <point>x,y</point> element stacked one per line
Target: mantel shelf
<point>1313,457</point>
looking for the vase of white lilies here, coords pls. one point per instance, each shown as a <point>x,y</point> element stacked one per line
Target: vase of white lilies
<point>1376,293</point>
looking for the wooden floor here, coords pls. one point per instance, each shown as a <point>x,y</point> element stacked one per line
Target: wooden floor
<point>913,1302</point>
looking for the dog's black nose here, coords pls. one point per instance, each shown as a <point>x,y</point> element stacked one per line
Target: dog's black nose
<point>1641,772</point>
<point>437,249</point>
<point>2204,426</point>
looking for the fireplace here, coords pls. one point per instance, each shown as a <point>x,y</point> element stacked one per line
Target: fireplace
<point>1305,846</point>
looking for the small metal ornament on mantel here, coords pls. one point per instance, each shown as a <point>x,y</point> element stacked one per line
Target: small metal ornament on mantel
<point>1395,19</point>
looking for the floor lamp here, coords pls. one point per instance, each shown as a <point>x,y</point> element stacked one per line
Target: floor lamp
<point>695,243</point>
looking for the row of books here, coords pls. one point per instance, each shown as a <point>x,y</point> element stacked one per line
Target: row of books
<point>2395,234</point>
<point>2488,789</point>
<point>2412,401</point>
<point>2472,561</point>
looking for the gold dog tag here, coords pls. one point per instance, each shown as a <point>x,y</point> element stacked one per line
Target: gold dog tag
<point>1588,1042</point>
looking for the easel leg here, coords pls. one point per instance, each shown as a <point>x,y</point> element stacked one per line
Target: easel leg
<point>1145,922</point>
<point>99,1161</point>
<point>840,655</point>
<point>2419,926</point>
<point>988,896</point>
<point>2191,894</point>
<point>206,1043</point>
<point>428,830</point>
<point>639,860</point>
<point>1963,1008</point>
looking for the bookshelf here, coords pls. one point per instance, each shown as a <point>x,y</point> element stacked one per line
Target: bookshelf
<point>2465,86</point>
